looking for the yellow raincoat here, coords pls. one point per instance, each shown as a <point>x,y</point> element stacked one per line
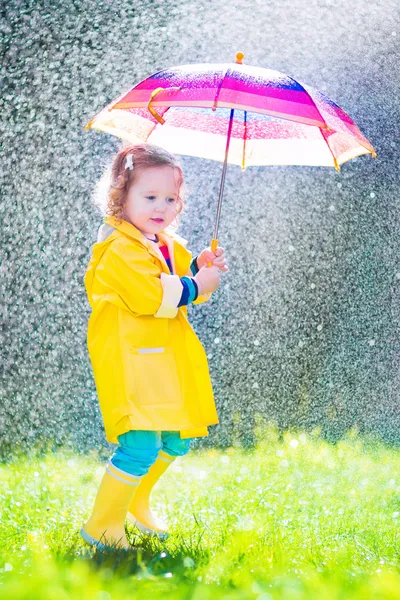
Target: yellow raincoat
<point>150,368</point>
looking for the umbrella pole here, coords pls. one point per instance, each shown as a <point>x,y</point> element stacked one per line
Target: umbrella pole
<point>214,241</point>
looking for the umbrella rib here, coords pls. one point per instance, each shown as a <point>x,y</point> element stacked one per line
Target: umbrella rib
<point>335,162</point>
<point>337,166</point>
<point>219,89</point>
<point>158,122</point>
<point>310,97</point>
<point>106,108</point>
<point>244,140</point>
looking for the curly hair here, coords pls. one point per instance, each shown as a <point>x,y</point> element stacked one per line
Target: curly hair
<point>112,189</point>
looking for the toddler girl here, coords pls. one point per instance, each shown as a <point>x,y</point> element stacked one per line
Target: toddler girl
<point>149,366</point>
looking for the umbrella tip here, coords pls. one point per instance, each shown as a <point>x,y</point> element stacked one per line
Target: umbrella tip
<point>239,58</point>
<point>88,125</point>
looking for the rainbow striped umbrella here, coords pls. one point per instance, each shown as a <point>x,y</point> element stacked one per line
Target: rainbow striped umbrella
<point>259,117</point>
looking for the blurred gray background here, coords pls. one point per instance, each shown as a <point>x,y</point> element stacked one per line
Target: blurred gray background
<point>304,330</point>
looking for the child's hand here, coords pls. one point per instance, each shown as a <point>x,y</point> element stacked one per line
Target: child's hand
<point>217,259</point>
<point>208,280</point>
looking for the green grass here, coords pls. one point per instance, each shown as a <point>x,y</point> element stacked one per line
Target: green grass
<point>293,519</point>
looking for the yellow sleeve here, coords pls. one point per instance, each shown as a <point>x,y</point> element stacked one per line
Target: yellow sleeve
<point>127,271</point>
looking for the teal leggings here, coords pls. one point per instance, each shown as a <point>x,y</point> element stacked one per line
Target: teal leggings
<point>138,449</point>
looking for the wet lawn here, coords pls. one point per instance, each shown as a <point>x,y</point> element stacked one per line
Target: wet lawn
<point>293,519</point>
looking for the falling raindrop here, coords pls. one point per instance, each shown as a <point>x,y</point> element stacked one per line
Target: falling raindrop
<point>293,265</point>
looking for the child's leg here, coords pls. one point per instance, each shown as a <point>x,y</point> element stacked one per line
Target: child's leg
<point>173,445</point>
<point>105,526</point>
<point>136,453</point>
<point>139,511</point>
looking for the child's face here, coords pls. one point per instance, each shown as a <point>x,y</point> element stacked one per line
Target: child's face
<point>152,201</point>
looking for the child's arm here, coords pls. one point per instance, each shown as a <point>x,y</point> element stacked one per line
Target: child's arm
<point>206,256</point>
<point>190,291</point>
<point>194,268</point>
<point>127,276</point>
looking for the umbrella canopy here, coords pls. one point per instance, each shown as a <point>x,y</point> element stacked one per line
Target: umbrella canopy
<point>276,120</point>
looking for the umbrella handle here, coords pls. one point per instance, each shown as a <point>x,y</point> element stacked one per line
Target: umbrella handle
<point>151,109</point>
<point>153,95</point>
<point>214,246</point>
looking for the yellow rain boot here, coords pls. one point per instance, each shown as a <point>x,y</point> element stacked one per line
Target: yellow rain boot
<point>139,512</point>
<point>106,525</point>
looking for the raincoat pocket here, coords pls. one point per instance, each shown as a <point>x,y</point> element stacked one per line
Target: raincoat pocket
<point>154,376</point>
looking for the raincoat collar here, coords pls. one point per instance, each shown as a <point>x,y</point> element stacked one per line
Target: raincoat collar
<point>126,228</point>
<point>168,237</point>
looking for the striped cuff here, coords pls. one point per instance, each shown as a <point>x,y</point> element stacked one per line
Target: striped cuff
<point>194,267</point>
<point>190,291</point>
<point>172,288</point>
<point>166,457</point>
<point>122,475</point>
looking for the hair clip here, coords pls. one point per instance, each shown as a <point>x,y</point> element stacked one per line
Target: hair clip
<point>129,162</point>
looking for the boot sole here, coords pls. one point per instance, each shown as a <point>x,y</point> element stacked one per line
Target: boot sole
<point>143,529</point>
<point>99,545</point>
